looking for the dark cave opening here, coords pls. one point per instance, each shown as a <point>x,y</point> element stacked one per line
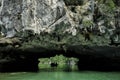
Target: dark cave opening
<point>94,58</point>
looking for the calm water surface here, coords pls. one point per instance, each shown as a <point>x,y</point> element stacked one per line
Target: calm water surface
<point>61,75</point>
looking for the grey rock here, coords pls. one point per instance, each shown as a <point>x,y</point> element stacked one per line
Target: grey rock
<point>37,15</point>
<point>45,15</point>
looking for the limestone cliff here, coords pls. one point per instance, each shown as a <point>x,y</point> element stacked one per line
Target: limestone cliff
<point>72,21</point>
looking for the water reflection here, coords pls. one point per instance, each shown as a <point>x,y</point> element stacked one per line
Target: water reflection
<point>61,75</point>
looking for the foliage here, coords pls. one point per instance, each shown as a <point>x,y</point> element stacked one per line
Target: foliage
<point>59,59</point>
<point>87,23</point>
<point>105,11</point>
<point>60,28</point>
<point>106,7</point>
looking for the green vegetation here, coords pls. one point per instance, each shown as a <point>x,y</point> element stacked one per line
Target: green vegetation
<point>59,59</point>
<point>87,23</point>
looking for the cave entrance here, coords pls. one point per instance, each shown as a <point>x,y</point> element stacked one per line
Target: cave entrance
<point>58,62</point>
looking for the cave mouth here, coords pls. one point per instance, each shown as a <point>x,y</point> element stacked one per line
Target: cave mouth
<point>19,65</point>
<point>61,62</point>
<point>58,63</point>
<point>83,63</point>
<point>98,63</point>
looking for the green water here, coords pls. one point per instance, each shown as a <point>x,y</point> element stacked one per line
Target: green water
<point>61,75</point>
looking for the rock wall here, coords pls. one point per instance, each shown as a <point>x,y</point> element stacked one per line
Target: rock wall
<point>74,17</point>
<point>36,15</point>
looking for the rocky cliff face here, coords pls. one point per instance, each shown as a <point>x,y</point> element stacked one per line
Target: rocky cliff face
<point>37,15</point>
<point>86,19</point>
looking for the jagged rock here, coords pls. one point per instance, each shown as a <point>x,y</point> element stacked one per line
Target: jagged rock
<point>59,21</point>
<point>45,15</point>
<point>37,15</point>
<point>13,41</point>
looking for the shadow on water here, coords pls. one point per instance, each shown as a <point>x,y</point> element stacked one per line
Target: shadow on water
<point>31,66</point>
<point>64,72</point>
<point>102,65</point>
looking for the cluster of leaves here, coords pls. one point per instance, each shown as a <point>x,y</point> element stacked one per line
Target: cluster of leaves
<point>106,6</point>
<point>87,23</point>
<point>60,59</point>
